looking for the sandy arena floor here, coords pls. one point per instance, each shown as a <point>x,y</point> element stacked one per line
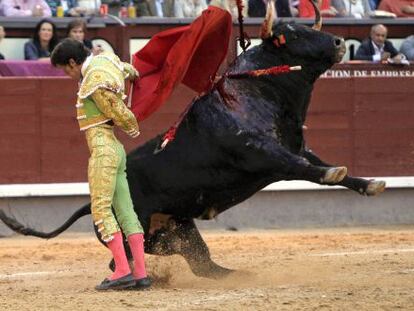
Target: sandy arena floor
<point>340,269</point>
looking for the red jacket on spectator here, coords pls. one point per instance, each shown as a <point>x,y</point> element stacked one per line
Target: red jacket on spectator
<point>395,6</point>
<point>306,8</point>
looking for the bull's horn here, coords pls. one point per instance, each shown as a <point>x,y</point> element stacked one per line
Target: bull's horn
<point>266,30</point>
<point>318,19</point>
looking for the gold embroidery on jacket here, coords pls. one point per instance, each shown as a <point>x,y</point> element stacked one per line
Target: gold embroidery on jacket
<point>115,109</point>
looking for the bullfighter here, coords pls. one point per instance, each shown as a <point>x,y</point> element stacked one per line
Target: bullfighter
<point>99,107</point>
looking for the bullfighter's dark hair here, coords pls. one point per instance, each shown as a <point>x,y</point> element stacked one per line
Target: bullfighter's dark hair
<point>69,49</point>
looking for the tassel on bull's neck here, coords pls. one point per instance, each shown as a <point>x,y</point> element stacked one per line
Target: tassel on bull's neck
<point>275,70</point>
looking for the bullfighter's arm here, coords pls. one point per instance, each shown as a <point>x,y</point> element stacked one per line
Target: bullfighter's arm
<point>114,108</point>
<point>130,72</point>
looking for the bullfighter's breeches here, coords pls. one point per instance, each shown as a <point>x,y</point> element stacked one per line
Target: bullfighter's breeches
<point>108,184</point>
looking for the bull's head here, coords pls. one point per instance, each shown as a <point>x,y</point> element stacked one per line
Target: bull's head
<point>302,41</point>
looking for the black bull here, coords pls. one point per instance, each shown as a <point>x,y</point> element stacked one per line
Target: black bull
<point>235,140</point>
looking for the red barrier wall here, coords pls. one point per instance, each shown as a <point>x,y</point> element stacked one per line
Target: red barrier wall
<point>40,138</point>
<point>366,124</point>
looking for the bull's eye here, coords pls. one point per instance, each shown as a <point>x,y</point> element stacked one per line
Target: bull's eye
<point>337,42</point>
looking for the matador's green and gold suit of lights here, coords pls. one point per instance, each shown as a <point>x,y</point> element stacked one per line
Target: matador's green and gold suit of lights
<point>99,106</point>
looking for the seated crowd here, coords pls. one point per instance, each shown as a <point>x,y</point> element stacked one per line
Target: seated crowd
<point>193,8</point>
<point>375,48</point>
<point>45,38</point>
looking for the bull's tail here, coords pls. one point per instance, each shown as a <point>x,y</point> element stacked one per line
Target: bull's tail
<point>16,226</point>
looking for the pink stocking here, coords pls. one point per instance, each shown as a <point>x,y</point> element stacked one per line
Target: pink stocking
<point>136,243</point>
<point>118,252</point>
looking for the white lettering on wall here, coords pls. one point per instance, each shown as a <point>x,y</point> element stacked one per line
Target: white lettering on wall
<point>367,73</point>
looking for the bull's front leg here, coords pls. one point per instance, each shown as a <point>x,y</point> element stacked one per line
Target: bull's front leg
<point>360,185</point>
<point>170,235</point>
<point>267,156</point>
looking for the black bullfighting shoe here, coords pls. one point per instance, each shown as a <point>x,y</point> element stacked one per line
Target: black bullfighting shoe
<point>125,282</point>
<point>142,284</point>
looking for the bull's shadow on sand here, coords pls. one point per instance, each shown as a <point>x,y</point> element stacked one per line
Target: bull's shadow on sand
<point>241,136</point>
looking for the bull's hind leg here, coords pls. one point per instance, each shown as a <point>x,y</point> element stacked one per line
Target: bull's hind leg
<point>181,236</point>
<point>360,185</point>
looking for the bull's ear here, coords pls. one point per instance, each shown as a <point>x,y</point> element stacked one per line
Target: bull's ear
<point>266,30</point>
<point>318,19</point>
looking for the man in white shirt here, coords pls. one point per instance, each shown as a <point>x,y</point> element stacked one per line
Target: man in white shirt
<point>377,48</point>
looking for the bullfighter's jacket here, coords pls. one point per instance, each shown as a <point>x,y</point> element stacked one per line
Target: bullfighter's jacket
<point>105,72</point>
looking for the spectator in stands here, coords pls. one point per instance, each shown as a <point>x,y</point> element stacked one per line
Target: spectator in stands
<point>306,9</point>
<point>158,8</point>
<point>374,4</point>
<point>70,7</point>
<point>294,7</point>
<point>231,6</point>
<point>354,8</point>
<point>36,8</point>
<point>401,8</point>
<point>377,48</point>
<point>2,35</point>
<point>44,41</point>
<point>407,48</point>
<point>77,30</point>
<point>284,8</point>
<point>90,7</point>
<point>190,8</point>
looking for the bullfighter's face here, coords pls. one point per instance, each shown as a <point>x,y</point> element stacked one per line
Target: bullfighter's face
<point>72,69</point>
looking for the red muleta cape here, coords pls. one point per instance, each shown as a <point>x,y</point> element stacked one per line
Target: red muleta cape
<point>190,55</point>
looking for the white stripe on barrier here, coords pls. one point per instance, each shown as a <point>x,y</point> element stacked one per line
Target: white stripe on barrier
<point>79,189</point>
<point>40,190</point>
<point>391,182</point>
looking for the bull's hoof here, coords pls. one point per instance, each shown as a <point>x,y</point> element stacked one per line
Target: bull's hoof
<point>334,175</point>
<point>212,271</point>
<point>375,187</point>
